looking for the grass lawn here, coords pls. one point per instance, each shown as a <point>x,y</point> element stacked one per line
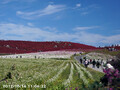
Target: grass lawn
<point>44,73</point>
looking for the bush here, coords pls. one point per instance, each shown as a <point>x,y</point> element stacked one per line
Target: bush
<point>111,77</point>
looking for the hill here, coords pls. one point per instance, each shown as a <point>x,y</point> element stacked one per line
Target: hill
<point>12,47</point>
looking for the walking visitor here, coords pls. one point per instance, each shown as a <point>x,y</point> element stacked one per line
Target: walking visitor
<point>94,62</point>
<point>80,60</point>
<point>86,63</point>
<point>98,64</point>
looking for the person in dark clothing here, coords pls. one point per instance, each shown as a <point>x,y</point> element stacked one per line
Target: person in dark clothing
<point>113,60</point>
<point>90,61</point>
<point>94,62</point>
<point>98,64</point>
<point>80,60</point>
<point>107,61</point>
<point>35,57</point>
<point>86,63</point>
<point>20,56</point>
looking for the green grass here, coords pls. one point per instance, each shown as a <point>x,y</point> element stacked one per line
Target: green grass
<point>77,82</point>
<point>96,75</point>
<point>105,51</point>
<point>39,71</point>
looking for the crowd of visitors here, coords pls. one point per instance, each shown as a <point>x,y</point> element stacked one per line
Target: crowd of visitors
<point>96,63</point>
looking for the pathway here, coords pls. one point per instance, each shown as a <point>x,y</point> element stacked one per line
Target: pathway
<point>100,69</point>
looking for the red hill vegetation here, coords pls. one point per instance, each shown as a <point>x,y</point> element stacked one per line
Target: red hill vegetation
<point>12,47</point>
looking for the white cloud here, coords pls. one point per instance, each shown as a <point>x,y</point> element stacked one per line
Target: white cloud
<point>10,31</point>
<point>9,1</point>
<point>85,28</point>
<point>96,39</point>
<point>84,13</point>
<point>50,29</point>
<point>78,5</point>
<point>50,9</point>
<point>89,38</point>
<point>22,32</point>
<point>112,39</point>
<point>88,9</point>
<point>30,24</point>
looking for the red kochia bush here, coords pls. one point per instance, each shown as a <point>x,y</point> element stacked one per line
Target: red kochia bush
<point>30,46</point>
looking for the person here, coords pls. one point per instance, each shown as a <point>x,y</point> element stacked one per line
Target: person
<point>86,63</point>
<point>109,66</point>
<point>101,61</point>
<point>20,56</point>
<point>98,64</point>
<point>94,62</point>
<point>90,61</point>
<point>35,57</point>
<point>107,61</point>
<point>80,60</point>
<point>102,64</point>
<point>113,60</point>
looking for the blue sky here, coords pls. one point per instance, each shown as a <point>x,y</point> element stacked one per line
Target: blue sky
<point>91,22</point>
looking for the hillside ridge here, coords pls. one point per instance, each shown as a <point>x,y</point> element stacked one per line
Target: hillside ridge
<point>15,46</point>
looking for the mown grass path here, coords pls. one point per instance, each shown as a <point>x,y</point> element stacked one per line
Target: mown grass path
<point>70,78</point>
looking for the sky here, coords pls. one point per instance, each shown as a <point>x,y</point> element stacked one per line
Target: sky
<point>91,22</point>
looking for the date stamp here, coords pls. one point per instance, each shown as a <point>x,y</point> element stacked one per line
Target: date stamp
<point>24,86</point>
